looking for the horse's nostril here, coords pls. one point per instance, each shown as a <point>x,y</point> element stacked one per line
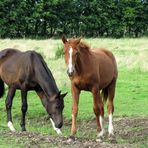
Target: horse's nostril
<point>69,73</point>
<point>60,125</point>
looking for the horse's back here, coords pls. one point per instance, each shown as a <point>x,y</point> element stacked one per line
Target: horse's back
<point>8,52</point>
<point>14,57</point>
<point>15,66</point>
<point>103,51</point>
<point>17,57</point>
<point>106,55</point>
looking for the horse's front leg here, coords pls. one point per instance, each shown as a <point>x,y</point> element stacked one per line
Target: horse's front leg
<point>8,102</point>
<point>24,109</point>
<point>75,102</point>
<point>99,112</point>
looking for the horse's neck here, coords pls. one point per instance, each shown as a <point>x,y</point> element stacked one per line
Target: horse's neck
<point>83,63</point>
<point>48,85</point>
<point>51,88</point>
<point>46,80</point>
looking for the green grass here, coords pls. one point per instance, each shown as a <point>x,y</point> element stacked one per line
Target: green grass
<point>11,144</point>
<point>131,93</point>
<point>131,96</point>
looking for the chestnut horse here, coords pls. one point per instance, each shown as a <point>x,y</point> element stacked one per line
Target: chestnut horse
<point>95,71</point>
<point>28,71</point>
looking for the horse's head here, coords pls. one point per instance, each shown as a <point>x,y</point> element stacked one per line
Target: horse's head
<point>54,106</point>
<point>70,53</point>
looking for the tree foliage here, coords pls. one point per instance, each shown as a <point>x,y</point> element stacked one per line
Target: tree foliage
<point>91,18</point>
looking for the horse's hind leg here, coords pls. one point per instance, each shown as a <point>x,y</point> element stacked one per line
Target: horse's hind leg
<point>110,106</point>
<point>24,109</point>
<point>9,99</point>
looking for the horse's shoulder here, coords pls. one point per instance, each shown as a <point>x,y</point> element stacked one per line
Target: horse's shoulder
<point>32,54</point>
<point>29,53</point>
<point>7,52</point>
<point>100,51</point>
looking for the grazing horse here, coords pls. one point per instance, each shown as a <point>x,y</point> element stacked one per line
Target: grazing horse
<point>28,71</point>
<point>95,71</point>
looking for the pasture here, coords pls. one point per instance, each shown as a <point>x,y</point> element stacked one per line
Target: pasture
<point>131,100</point>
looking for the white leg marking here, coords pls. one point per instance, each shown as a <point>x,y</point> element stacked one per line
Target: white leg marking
<point>102,128</point>
<point>56,129</point>
<point>70,66</point>
<point>110,127</point>
<point>10,125</point>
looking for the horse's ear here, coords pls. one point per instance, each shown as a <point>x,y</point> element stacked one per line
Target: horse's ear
<point>64,39</point>
<point>63,95</point>
<point>59,94</point>
<point>77,41</point>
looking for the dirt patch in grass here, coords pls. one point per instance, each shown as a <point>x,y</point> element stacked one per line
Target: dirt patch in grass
<point>130,132</point>
<point>133,131</point>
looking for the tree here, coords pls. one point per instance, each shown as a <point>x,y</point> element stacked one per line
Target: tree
<point>90,18</point>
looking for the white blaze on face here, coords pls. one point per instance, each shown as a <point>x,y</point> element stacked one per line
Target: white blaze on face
<point>56,129</point>
<point>70,66</point>
<point>110,127</point>
<point>10,125</point>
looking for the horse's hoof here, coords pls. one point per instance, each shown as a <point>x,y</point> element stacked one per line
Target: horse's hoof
<point>112,139</point>
<point>71,139</point>
<point>13,130</point>
<point>11,127</point>
<point>60,133</point>
<point>99,139</point>
<point>23,129</point>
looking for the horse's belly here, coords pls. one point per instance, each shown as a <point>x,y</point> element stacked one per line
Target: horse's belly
<point>86,87</point>
<point>104,84</point>
<point>9,79</point>
<point>11,74</point>
<point>106,76</point>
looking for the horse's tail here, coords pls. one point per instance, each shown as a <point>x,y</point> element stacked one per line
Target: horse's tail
<point>2,89</point>
<point>104,95</point>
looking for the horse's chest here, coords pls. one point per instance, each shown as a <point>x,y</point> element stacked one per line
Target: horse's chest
<point>83,85</point>
<point>27,84</point>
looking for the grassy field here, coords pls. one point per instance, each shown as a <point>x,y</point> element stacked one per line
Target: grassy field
<point>131,94</point>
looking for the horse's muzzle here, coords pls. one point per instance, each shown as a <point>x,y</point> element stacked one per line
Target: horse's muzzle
<point>59,125</point>
<point>70,73</point>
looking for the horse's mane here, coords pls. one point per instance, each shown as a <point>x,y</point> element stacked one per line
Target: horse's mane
<point>45,73</point>
<point>84,48</point>
<point>45,65</point>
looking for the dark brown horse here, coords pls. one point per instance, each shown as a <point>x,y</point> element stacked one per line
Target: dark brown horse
<point>28,71</point>
<point>95,71</point>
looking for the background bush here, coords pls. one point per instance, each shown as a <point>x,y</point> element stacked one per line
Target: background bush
<point>90,18</point>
